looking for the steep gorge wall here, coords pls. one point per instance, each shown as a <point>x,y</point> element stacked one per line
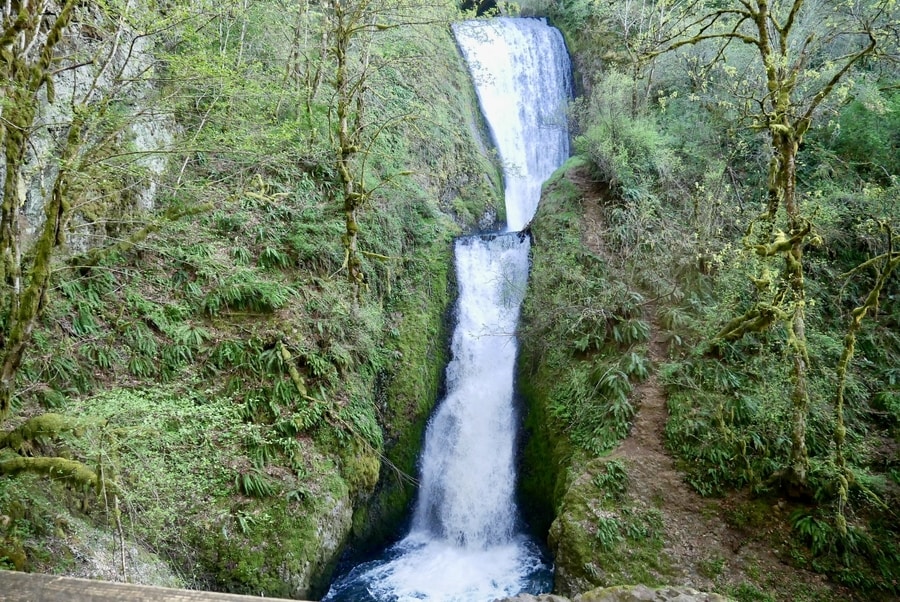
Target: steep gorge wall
<point>102,61</point>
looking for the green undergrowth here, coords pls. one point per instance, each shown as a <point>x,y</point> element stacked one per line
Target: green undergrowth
<point>252,412</point>
<point>683,181</point>
<point>194,489</point>
<point>730,410</point>
<point>584,345</point>
<point>602,538</point>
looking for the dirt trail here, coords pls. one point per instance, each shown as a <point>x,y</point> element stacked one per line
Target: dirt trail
<point>704,551</point>
<point>701,546</point>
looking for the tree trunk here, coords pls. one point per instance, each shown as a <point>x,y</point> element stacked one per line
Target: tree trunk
<point>25,308</point>
<point>786,147</point>
<point>347,147</point>
<point>19,117</point>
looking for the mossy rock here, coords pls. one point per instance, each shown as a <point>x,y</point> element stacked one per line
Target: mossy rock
<point>12,556</point>
<point>272,547</point>
<point>600,538</point>
<point>547,449</point>
<point>642,593</point>
<point>408,395</point>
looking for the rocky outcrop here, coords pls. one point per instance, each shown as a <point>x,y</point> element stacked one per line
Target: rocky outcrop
<point>531,598</point>
<point>98,554</point>
<point>628,593</point>
<point>106,63</point>
<point>642,593</point>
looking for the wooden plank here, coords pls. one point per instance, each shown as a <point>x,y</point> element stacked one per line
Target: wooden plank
<point>34,587</point>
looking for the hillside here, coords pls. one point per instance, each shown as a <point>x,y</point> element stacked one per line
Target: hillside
<point>218,399</point>
<point>709,337</point>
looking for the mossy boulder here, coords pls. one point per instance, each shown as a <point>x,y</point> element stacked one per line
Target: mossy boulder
<point>279,550</point>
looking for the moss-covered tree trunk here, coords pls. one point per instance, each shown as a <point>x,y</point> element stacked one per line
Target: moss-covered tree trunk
<point>29,303</point>
<point>787,144</point>
<point>884,266</point>
<point>25,68</point>
<point>784,109</point>
<point>346,92</point>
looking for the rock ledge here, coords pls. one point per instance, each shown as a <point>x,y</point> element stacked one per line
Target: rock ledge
<point>628,593</point>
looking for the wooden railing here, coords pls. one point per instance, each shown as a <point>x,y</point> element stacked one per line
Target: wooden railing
<point>34,587</point>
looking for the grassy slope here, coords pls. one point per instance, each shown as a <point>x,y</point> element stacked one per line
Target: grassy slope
<point>584,346</point>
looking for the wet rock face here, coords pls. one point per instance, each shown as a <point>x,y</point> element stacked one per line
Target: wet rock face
<point>629,593</point>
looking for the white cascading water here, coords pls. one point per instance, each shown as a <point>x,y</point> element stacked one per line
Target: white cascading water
<point>523,78</point>
<point>466,542</point>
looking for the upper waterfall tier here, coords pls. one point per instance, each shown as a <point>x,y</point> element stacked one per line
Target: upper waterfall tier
<point>523,78</point>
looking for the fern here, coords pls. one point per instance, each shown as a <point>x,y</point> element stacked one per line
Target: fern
<point>100,356</point>
<point>239,293</point>
<point>51,398</point>
<point>635,366</point>
<point>229,353</point>
<point>254,484</point>
<point>65,371</point>
<point>608,533</point>
<point>613,482</point>
<point>817,534</point>
<point>630,332</point>
<point>141,367</point>
<point>272,257</point>
<point>141,340</point>
<point>83,323</point>
<point>190,336</point>
<point>240,255</point>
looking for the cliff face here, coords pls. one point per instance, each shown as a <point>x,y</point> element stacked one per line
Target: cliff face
<point>101,60</point>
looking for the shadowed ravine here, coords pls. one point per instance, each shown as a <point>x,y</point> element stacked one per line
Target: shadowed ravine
<point>467,542</point>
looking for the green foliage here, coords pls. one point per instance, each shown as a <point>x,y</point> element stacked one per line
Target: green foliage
<point>583,332</point>
<point>608,533</point>
<point>860,558</point>
<point>254,484</point>
<point>712,566</point>
<point>244,293</point>
<point>678,170</point>
<point>747,592</point>
<point>818,534</point>
<point>625,145</point>
<point>603,535</point>
<point>199,310</point>
<point>613,482</point>
<point>862,140</point>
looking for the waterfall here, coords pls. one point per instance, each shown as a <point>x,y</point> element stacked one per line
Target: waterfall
<point>523,78</point>
<point>466,542</point>
<point>468,487</point>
